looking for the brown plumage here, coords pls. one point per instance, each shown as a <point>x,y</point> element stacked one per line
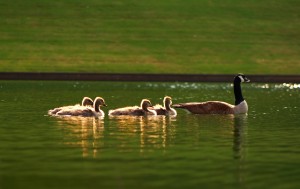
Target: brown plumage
<point>209,107</point>
<point>218,107</point>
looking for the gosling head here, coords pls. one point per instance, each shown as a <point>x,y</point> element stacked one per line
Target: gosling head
<point>167,102</point>
<point>99,101</point>
<point>145,104</point>
<point>86,101</point>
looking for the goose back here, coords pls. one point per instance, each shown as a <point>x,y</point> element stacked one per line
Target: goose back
<point>209,107</point>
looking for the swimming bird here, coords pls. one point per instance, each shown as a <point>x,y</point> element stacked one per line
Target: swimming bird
<point>85,111</point>
<point>166,109</point>
<point>86,101</point>
<point>143,109</point>
<point>218,107</point>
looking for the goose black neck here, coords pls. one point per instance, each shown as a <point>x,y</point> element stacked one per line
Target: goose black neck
<point>238,92</point>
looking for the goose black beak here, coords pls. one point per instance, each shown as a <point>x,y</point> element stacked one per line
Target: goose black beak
<point>247,80</point>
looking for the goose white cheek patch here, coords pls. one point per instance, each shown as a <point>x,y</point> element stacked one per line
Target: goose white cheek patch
<point>242,79</point>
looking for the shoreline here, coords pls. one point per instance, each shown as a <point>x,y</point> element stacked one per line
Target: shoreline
<point>136,77</point>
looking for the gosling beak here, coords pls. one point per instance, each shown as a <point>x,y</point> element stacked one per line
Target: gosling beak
<point>151,107</point>
<point>105,105</point>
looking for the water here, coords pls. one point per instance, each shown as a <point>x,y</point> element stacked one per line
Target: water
<point>258,150</point>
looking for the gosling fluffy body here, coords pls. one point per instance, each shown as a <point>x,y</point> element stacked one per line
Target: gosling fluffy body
<point>142,110</point>
<point>84,111</point>
<point>166,108</point>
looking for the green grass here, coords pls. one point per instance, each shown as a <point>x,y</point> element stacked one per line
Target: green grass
<point>134,36</point>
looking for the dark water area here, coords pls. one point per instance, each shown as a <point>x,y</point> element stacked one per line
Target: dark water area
<point>257,150</point>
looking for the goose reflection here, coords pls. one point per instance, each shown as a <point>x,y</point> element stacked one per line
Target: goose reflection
<point>226,134</point>
<point>153,132</point>
<point>239,135</point>
<point>239,147</point>
<point>83,132</point>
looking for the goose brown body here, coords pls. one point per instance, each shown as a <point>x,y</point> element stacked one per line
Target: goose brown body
<point>219,107</point>
<point>209,107</point>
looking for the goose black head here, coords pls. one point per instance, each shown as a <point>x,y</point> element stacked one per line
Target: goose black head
<point>241,78</point>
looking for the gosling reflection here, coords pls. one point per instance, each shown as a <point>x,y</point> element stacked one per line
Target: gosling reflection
<point>153,132</point>
<point>83,132</point>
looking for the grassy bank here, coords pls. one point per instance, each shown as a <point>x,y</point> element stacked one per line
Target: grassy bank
<point>133,36</point>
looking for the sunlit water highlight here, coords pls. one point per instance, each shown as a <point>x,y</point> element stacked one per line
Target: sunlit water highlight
<point>258,150</point>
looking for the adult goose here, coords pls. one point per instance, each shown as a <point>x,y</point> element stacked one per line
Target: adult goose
<point>86,101</point>
<point>85,111</point>
<point>166,109</point>
<point>143,109</point>
<point>218,107</point>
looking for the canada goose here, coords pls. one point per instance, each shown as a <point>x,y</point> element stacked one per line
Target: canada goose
<point>86,101</point>
<point>166,109</point>
<point>143,109</point>
<point>84,110</point>
<point>217,107</point>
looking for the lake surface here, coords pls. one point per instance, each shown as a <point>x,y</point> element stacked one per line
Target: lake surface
<point>258,150</point>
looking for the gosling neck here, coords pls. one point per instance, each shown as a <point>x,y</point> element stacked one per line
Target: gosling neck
<point>167,106</point>
<point>97,106</point>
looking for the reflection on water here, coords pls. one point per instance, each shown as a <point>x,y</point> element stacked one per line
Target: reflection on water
<point>86,131</point>
<point>146,134</point>
<point>239,135</point>
<point>239,146</point>
<point>258,150</point>
<point>225,134</point>
<point>153,132</point>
